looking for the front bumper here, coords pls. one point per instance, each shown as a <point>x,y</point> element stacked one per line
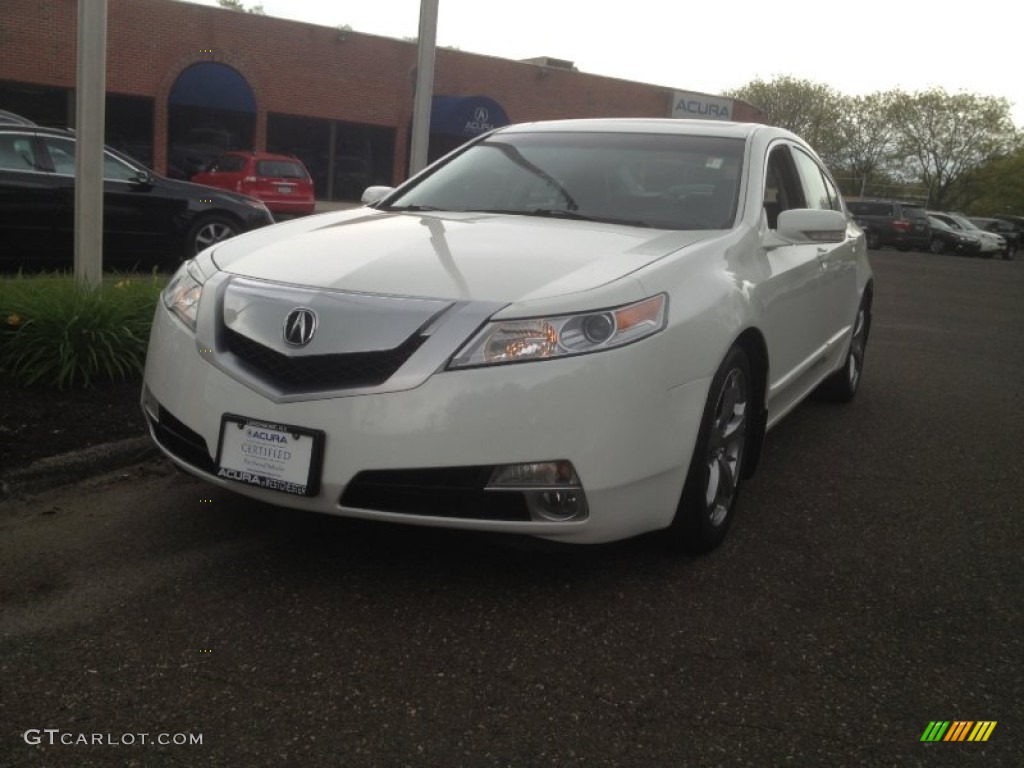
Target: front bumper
<point>289,207</point>
<point>628,432</point>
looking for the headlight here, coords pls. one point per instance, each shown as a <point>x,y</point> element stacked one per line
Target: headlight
<point>182,294</point>
<point>260,206</point>
<point>541,338</point>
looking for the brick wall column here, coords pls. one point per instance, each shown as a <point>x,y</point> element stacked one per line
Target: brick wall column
<point>160,134</point>
<point>260,138</point>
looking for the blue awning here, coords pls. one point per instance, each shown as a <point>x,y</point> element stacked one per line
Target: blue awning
<point>211,84</point>
<point>465,116</point>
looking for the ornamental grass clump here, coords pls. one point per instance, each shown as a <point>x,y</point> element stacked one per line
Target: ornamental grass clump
<point>59,333</point>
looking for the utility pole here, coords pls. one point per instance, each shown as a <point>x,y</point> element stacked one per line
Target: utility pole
<point>89,115</point>
<point>424,86</point>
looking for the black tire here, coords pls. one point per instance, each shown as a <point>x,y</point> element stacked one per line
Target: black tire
<point>937,245</point>
<point>207,230</point>
<point>842,385</point>
<point>873,241</point>
<point>716,468</point>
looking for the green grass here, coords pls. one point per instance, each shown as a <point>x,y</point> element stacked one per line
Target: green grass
<point>57,333</point>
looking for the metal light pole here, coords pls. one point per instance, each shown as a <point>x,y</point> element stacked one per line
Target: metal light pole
<point>89,114</point>
<point>424,86</point>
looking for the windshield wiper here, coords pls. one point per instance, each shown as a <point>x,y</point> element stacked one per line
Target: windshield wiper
<point>561,213</point>
<point>411,208</point>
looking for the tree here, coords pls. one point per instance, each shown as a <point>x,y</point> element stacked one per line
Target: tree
<point>995,187</point>
<point>236,5</point>
<point>813,111</point>
<point>869,137</point>
<point>945,137</point>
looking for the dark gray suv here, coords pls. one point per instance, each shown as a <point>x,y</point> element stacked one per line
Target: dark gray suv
<point>892,222</point>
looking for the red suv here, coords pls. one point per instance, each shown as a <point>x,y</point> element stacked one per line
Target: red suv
<point>280,181</point>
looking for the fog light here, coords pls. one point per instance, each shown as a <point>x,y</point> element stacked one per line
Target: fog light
<point>555,506</point>
<point>551,489</point>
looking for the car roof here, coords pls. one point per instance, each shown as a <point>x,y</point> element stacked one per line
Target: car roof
<point>713,128</point>
<point>259,155</point>
<point>41,129</point>
<point>12,118</point>
<point>882,200</point>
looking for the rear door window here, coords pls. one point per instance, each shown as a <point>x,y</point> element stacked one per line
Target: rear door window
<point>280,169</point>
<point>870,208</point>
<point>228,164</point>
<point>62,154</point>
<point>17,153</point>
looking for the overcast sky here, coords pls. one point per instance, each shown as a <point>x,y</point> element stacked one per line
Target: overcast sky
<point>857,47</point>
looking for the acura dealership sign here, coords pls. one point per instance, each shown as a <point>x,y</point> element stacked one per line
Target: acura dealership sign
<point>700,106</point>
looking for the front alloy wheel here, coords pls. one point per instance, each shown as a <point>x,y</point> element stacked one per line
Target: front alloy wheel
<point>712,484</point>
<point>725,447</point>
<point>210,230</point>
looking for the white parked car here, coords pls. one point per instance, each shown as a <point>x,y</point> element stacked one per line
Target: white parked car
<point>579,330</point>
<point>991,243</point>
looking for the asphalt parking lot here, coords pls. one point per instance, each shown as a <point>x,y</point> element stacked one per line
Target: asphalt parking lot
<point>871,584</point>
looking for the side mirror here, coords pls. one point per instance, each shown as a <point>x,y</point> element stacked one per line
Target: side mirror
<point>143,177</point>
<point>805,225</point>
<point>373,195</point>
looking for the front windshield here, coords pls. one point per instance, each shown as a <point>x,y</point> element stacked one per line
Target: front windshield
<point>965,223</point>
<point>653,180</point>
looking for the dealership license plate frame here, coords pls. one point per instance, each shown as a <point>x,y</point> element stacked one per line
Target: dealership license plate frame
<point>315,458</point>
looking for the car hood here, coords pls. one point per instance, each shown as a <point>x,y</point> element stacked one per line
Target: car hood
<point>456,256</point>
<point>202,191</point>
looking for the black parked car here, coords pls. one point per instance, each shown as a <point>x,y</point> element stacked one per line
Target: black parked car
<point>947,239</point>
<point>892,222</point>
<point>148,219</point>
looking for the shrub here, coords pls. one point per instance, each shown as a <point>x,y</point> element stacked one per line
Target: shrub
<point>57,332</point>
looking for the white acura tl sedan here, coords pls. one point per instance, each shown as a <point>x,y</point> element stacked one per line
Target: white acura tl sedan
<point>579,330</point>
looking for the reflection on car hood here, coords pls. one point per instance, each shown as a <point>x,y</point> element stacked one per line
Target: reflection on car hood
<point>477,256</point>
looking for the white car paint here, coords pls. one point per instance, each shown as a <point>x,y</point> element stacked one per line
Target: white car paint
<point>626,418</point>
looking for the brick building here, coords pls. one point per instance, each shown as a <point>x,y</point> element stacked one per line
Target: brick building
<point>185,81</point>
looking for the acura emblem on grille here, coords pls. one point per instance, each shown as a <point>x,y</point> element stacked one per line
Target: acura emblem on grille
<point>299,327</point>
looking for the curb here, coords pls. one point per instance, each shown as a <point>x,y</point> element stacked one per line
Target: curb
<point>76,465</point>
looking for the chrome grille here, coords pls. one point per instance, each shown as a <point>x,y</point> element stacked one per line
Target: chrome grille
<point>319,373</point>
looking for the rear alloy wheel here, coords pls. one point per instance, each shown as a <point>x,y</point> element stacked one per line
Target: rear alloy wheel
<point>842,385</point>
<point>209,230</point>
<point>712,486</point>
<point>936,245</point>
